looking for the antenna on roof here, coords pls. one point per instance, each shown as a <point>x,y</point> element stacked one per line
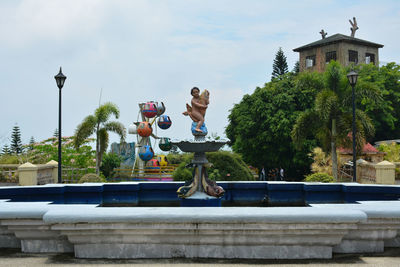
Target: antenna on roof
<point>323,33</point>
<point>354,26</point>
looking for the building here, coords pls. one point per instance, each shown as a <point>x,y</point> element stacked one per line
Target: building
<point>344,49</point>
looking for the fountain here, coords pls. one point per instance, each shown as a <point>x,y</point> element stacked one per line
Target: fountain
<point>201,191</point>
<point>71,218</point>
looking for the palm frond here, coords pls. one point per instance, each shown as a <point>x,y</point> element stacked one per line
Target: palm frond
<point>117,128</point>
<point>104,112</point>
<point>306,124</point>
<point>333,75</point>
<point>370,91</point>
<point>326,104</point>
<point>84,130</point>
<point>365,123</point>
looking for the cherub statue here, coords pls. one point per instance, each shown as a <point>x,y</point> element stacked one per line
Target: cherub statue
<point>199,103</point>
<point>354,26</point>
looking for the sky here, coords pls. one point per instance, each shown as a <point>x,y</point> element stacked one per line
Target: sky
<point>130,52</point>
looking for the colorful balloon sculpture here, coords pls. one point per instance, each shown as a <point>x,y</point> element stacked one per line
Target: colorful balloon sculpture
<point>165,144</point>
<point>146,153</point>
<point>152,166</point>
<point>164,122</point>
<point>160,109</point>
<point>149,110</point>
<point>144,129</point>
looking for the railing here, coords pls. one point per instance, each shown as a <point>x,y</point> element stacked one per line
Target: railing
<point>9,173</point>
<point>345,173</point>
<point>366,173</point>
<point>163,173</point>
<point>73,175</point>
<point>45,174</point>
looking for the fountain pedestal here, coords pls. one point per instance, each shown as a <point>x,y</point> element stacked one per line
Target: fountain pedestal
<point>201,192</point>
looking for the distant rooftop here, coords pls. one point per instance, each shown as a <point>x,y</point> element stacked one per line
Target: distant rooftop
<point>335,39</point>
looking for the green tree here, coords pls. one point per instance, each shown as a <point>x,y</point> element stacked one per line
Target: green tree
<point>31,143</point>
<point>47,150</point>
<point>384,114</point>
<point>330,119</point>
<point>55,134</point>
<point>280,66</point>
<point>6,150</point>
<point>260,125</point>
<point>99,125</point>
<point>296,68</point>
<point>16,144</point>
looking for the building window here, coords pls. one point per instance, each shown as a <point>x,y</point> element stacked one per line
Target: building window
<point>330,56</point>
<point>353,56</point>
<point>369,58</point>
<point>310,61</point>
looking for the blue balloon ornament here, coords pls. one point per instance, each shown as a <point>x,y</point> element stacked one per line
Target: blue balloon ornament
<point>164,122</point>
<point>146,153</point>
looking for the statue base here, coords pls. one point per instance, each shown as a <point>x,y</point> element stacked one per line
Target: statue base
<point>203,129</point>
<point>200,199</point>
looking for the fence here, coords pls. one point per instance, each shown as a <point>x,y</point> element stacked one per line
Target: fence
<point>73,175</point>
<point>9,173</point>
<point>375,173</point>
<point>30,174</point>
<point>163,173</point>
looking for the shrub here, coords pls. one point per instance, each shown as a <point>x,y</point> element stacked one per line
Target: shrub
<point>13,159</point>
<point>319,177</point>
<point>91,178</point>
<point>392,151</point>
<point>226,166</point>
<point>182,173</point>
<point>109,162</point>
<point>179,158</point>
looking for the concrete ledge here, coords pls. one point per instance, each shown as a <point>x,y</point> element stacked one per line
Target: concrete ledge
<point>8,239</point>
<point>194,251</point>
<point>22,226</point>
<point>204,232</point>
<point>225,232</point>
<point>381,227</point>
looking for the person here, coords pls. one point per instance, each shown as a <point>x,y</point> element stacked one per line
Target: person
<point>197,111</point>
<point>281,174</point>
<point>276,173</point>
<point>262,174</point>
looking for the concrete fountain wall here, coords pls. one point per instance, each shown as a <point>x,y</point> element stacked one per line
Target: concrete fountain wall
<point>237,193</point>
<point>77,223</point>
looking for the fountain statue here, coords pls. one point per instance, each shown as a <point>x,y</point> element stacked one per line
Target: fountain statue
<point>200,187</point>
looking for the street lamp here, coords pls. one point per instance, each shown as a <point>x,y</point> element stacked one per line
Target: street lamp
<point>352,77</point>
<point>60,79</point>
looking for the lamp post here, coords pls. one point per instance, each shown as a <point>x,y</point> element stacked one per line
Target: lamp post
<point>352,77</point>
<point>60,79</point>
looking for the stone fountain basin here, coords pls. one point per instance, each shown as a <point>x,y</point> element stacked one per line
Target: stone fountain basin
<point>200,146</point>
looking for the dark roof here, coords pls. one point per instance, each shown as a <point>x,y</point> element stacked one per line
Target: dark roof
<point>336,39</point>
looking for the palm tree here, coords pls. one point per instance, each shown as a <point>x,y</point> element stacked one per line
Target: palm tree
<point>330,120</point>
<point>98,124</point>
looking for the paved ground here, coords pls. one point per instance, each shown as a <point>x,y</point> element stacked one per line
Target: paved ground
<point>14,258</point>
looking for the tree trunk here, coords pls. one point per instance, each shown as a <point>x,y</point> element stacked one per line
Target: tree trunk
<point>333,148</point>
<point>97,152</point>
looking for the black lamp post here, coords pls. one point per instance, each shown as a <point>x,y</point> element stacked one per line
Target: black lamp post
<point>60,79</point>
<point>352,76</point>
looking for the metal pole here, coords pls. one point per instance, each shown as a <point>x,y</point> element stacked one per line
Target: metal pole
<point>354,137</point>
<point>59,138</point>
